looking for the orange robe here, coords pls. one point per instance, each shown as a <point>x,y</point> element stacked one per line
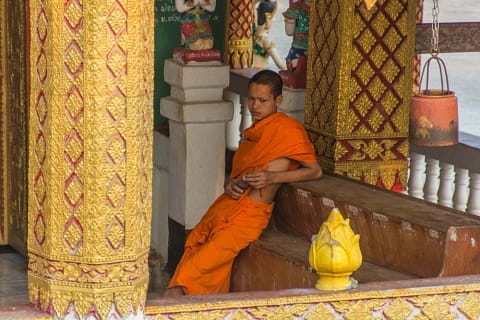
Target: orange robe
<point>230,225</point>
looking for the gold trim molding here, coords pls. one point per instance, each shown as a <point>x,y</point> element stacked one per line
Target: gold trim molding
<point>438,302</point>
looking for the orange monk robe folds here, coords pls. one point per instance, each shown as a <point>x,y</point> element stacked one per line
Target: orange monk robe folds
<point>230,225</point>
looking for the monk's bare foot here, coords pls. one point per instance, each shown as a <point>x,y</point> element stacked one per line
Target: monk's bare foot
<point>173,292</point>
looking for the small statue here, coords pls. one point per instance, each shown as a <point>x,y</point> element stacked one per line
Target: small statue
<point>297,19</point>
<point>197,36</point>
<point>263,47</point>
<point>196,30</point>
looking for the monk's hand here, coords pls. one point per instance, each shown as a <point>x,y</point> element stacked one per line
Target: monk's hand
<point>260,178</point>
<point>233,190</point>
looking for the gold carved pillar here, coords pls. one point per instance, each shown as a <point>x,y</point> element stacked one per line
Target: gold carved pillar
<point>3,131</point>
<point>418,57</point>
<point>239,33</point>
<point>359,87</point>
<point>90,146</point>
<point>14,124</point>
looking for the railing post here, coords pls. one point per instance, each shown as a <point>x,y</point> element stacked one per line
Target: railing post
<point>447,187</point>
<point>460,196</point>
<point>246,120</point>
<point>430,189</point>
<point>232,131</point>
<point>474,197</point>
<point>417,175</point>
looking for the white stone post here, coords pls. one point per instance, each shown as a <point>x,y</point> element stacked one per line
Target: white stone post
<point>233,126</point>
<point>293,103</point>
<point>474,197</point>
<point>447,186</point>
<point>432,180</point>
<point>416,180</point>
<point>462,190</point>
<point>246,117</point>
<point>197,117</point>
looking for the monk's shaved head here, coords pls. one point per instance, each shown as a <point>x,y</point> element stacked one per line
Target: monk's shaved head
<point>270,78</point>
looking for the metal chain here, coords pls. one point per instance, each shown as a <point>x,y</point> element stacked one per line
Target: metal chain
<point>434,50</point>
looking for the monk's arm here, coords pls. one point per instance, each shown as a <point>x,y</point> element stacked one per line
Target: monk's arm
<point>263,178</point>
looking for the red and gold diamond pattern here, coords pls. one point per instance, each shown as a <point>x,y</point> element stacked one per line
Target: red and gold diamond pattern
<point>73,194</point>
<point>41,111</point>
<point>116,110</point>
<point>357,102</point>
<point>239,33</point>
<point>377,71</point>
<point>322,75</point>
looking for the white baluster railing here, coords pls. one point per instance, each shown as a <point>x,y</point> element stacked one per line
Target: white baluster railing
<point>474,198</point>
<point>449,176</point>
<point>417,175</point>
<point>238,94</point>
<point>432,182</point>
<point>460,197</point>
<point>447,187</point>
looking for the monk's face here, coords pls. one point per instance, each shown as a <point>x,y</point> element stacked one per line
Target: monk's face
<point>261,102</point>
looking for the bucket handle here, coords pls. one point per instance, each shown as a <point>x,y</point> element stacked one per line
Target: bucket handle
<point>442,69</point>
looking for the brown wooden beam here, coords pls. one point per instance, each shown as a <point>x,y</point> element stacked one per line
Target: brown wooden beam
<point>453,37</point>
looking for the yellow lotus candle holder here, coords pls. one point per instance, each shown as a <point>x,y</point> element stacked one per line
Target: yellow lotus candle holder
<point>335,253</point>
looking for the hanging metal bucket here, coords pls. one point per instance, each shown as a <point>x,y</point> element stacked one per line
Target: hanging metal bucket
<point>434,112</point>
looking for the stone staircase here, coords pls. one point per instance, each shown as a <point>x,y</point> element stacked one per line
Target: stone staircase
<point>401,237</point>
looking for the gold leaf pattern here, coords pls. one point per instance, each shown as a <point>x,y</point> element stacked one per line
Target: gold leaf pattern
<point>420,300</point>
<point>340,151</point>
<point>398,309</point>
<point>359,311</point>
<point>342,306</point>
<point>471,305</point>
<point>376,304</point>
<point>320,312</point>
<point>438,309</point>
<point>240,315</point>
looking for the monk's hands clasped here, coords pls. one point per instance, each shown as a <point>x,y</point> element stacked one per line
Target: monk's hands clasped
<point>260,178</point>
<point>235,188</point>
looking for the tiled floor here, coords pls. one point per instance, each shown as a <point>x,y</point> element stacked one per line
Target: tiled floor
<point>13,278</point>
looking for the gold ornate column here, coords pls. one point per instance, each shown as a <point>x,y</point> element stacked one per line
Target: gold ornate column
<point>418,57</point>
<point>239,33</point>
<point>91,92</point>
<point>3,131</point>
<point>359,87</point>
<point>14,124</point>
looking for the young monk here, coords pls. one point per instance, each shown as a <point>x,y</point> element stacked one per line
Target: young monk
<point>275,150</point>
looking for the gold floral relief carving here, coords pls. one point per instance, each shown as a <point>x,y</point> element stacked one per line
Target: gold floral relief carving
<point>373,149</point>
<point>398,309</point>
<point>280,312</point>
<point>105,273</point>
<point>360,311</point>
<point>471,305</point>
<point>320,311</point>
<point>438,302</point>
<point>438,309</point>
<point>201,316</point>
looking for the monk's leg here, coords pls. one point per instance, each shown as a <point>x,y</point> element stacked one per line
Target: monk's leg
<point>207,268</point>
